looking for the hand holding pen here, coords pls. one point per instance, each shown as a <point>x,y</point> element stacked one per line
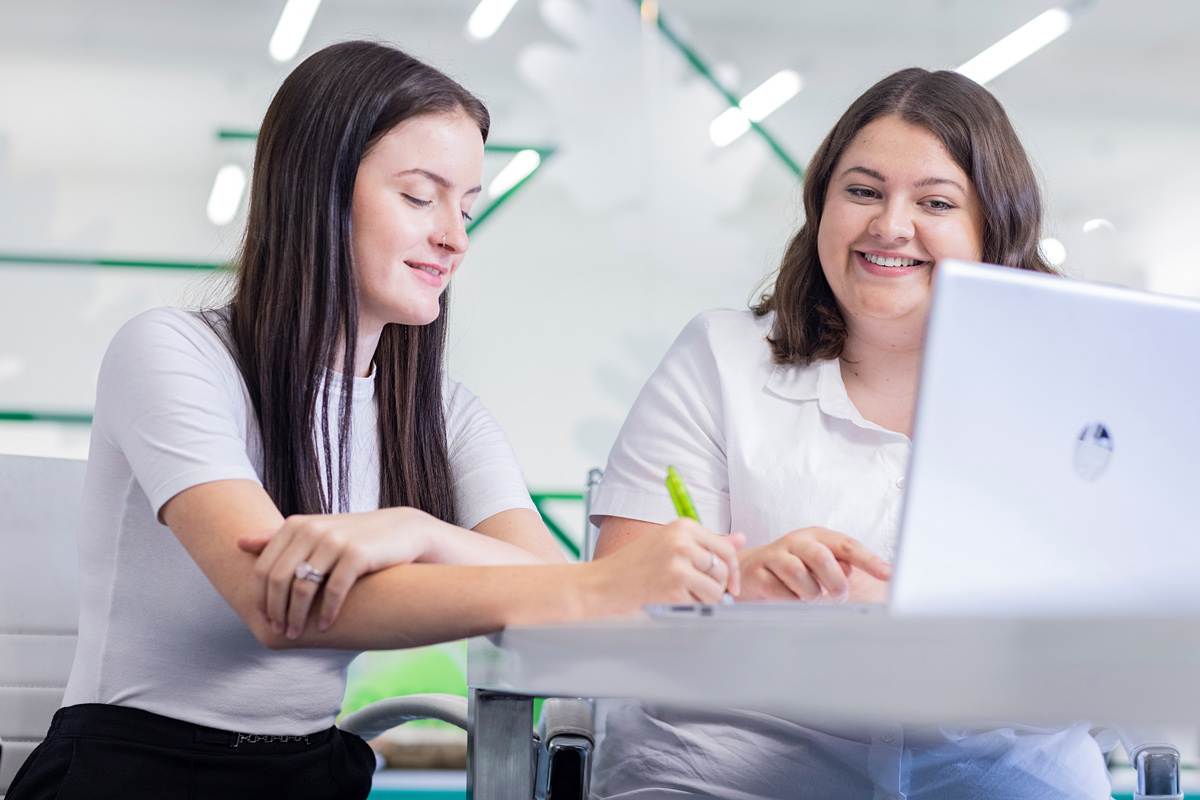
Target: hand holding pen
<point>686,509</point>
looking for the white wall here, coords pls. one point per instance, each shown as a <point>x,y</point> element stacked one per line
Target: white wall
<point>574,289</point>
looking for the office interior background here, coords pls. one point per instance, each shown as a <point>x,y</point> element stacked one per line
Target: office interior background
<point>620,208</point>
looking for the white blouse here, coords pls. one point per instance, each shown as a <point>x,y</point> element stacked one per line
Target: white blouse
<point>763,449</point>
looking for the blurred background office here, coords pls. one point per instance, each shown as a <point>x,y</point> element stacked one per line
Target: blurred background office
<point>623,192</point>
<point>125,132</point>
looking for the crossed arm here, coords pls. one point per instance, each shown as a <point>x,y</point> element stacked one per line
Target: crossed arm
<point>410,579</point>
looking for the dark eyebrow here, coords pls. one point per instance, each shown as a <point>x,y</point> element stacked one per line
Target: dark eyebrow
<point>939,181</point>
<point>438,179</point>
<point>865,171</point>
<point>920,184</point>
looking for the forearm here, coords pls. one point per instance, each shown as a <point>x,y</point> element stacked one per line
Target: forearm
<point>449,544</point>
<point>419,604</point>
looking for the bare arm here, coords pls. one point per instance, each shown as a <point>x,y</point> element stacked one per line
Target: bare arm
<point>414,604</point>
<point>616,532</point>
<point>523,528</point>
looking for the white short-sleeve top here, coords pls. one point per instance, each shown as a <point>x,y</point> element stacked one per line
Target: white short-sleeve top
<point>763,449</point>
<point>172,412</point>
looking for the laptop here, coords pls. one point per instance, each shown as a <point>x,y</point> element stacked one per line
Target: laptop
<point>1056,455</point>
<point>1056,451</point>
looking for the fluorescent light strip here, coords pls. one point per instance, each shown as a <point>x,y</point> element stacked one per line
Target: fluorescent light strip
<point>756,106</point>
<point>293,26</point>
<point>487,18</point>
<point>1017,46</point>
<point>522,165</point>
<point>226,194</point>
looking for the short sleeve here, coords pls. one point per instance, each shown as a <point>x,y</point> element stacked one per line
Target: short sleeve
<point>169,397</point>
<point>677,420</point>
<point>487,478</point>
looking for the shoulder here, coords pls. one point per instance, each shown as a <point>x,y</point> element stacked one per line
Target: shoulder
<point>469,424</point>
<point>726,331</point>
<point>457,400</point>
<point>723,342</point>
<point>168,342</point>
<point>170,328</point>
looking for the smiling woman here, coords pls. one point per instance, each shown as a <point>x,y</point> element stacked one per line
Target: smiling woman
<point>305,452</point>
<point>792,422</point>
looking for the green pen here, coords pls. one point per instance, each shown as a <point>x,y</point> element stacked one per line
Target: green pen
<point>684,508</point>
<point>680,496</point>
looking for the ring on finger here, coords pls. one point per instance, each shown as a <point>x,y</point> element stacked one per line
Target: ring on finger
<point>712,564</point>
<point>306,572</point>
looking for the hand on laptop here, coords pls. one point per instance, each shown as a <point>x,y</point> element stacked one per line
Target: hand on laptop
<point>813,563</point>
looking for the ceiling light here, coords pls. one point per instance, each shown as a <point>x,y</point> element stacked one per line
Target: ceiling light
<point>521,167</point>
<point>1053,251</point>
<point>487,18</point>
<point>226,194</point>
<point>726,128</point>
<point>755,106</point>
<point>1017,46</point>
<point>293,26</point>
<point>1098,225</point>
<point>774,92</point>
<point>10,367</point>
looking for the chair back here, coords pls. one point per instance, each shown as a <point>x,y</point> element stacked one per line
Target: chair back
<point>39,598</point>
<point>590,531</point>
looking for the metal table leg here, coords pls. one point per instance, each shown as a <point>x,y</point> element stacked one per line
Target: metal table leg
<point>500,751</point>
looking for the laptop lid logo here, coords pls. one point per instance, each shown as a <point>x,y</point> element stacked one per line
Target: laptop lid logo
<point>1093,451</point>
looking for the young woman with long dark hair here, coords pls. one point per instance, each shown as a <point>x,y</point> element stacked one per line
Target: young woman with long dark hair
<point>275,485</point>
<point>791,421</point>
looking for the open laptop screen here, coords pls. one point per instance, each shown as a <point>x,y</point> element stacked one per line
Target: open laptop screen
<point>1056,451</point>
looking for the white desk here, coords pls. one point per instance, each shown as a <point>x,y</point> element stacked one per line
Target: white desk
<point>870,668</point>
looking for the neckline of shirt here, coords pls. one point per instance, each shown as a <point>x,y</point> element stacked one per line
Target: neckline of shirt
<point>364,387</point>
<point>821,381</point>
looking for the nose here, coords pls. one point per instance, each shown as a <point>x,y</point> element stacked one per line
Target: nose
<point>894,222</point>
<point>453,236</point>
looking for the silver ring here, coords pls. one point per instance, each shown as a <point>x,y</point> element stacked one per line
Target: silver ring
<point>713,565</point>
<point>306,572</point>
<point>443,240</point>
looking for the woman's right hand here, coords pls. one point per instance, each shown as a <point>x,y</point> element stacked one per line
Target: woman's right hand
<point>341,548</point>
<point>811,564</point>
<point>682,562</point>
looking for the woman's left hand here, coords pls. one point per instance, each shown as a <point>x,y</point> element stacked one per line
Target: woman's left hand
<point>341,548</point>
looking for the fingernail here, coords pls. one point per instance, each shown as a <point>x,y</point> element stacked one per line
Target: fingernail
<point>277,627</point>
<point>293,633</point>
<point>263,614</point>
<point>324,625</point>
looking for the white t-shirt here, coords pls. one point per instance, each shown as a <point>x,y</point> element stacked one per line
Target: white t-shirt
<point>767,449</point>
<point>172,412</point>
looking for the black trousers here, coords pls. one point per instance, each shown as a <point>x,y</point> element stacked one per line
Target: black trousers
<point>100,751</point>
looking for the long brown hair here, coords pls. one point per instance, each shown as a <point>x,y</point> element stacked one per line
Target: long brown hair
<point>296,298</point>
<point>972,125</point>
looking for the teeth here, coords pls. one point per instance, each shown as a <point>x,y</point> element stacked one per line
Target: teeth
<point>891,262</point>
<point>424,268</point>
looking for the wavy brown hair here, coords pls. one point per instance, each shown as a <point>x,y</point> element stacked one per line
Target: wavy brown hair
<point>295,311</point>
<point>972,125</point>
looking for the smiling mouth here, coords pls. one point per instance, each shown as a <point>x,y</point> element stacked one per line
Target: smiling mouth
<point>883,261</point>
<point>426,268</point>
